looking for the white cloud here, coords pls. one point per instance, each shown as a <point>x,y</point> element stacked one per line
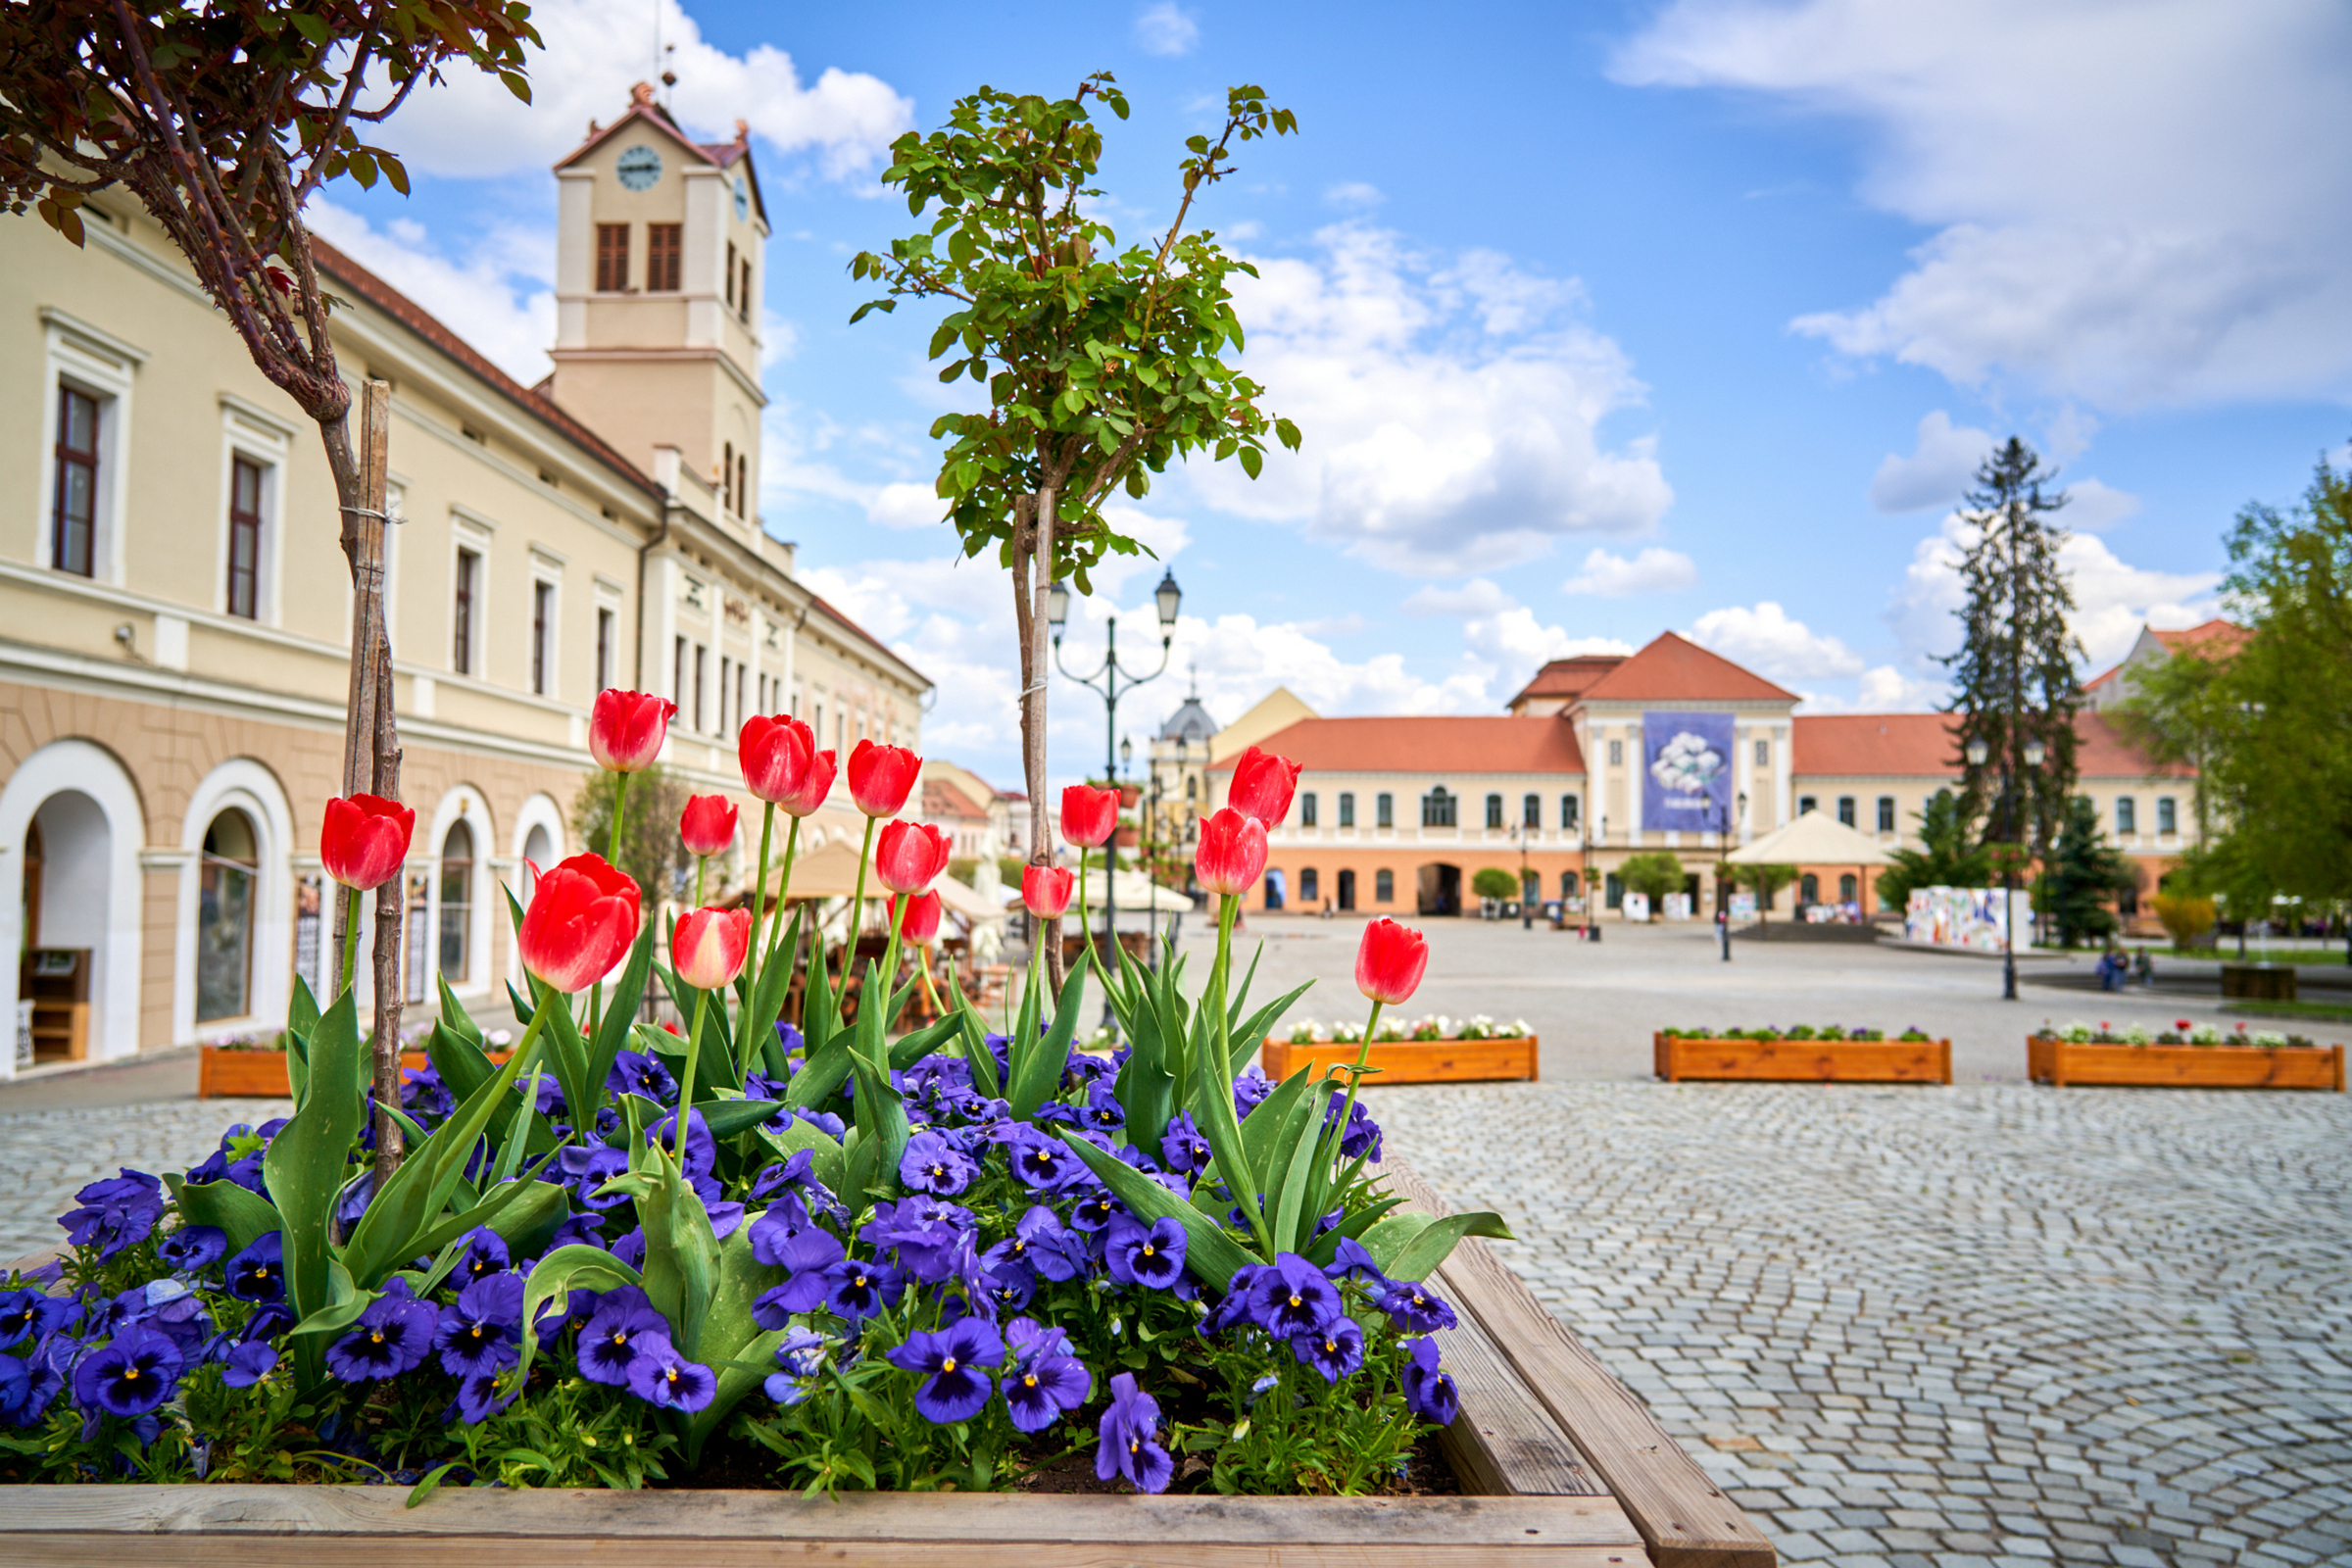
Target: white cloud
<point>1885,689</point>
<point>2134,204</point>
<point>1477,597</point>
<point>1164,28</point>
<point>1768,641</point>
<point>501,299</point>
<point>1653,571</point>
<point>471,127</point>
<point>1943,463</point>
<point>2112,599</point>
<point>1450,412</point>
<point>2095,508</point>
<point>1354,193</point>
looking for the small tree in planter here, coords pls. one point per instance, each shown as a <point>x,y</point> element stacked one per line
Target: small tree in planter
<point>1493,882</point>
<point>1767,882</point>
<point>1654,876</point>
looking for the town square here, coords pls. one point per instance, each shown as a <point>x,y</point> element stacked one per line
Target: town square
<point>1091,786</point>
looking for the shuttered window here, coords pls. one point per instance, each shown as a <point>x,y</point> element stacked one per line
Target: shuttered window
<point>665,249</point>
<point>612,258</point>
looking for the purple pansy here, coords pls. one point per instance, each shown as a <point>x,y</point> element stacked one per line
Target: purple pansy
<point>957,1389</point>
<point>1291,1297</point>
<point>1181,1147</point>
<point>193,1249</point>
<point>623,1320</point>
<point>635,1072</point>
<point>132,1374</point>
<point>1415,1308</point>
<point>259,1272</point>
<point>1151,1255</point>
<point>483,1330</point>
<point>800,1359</point>
<point>1044,1381</point>
<point>393,1336</point>
<point>485,1254</point>
<point>1129,1438</point>
<point>664,1379</point>
<point>248,1363</point>
<point>115,1213</point>
<point>859,1288</point>
<point>1428,1392</point>
<point>1335,1349</point>
<point>932,1165</point>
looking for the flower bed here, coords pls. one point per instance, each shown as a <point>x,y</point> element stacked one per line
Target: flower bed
<point>1432,1050</point>
<point>2185,1055</point>
<point>1801,1055</point>
<point>258,1072</point>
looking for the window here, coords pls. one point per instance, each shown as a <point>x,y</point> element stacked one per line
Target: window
<point>701,668</point>
<point>1570,812</point>
<point>1885,813</point>
<point>543,627</point>
<point>1806,803</point>
<point>1763,754</point>
<point>456,901</point>
<point>73,524</point>
<point>1531,812</point>
<point>726,477</point>
<point>1616,754</point>
<point>664,249</point>
<point>739,669</point>
<point>677,674</point>
<point>743,295</point>
<point>224,891</point>
<point>1384,885</point>
<point>1307,818</point>
<point>2126,815</point>
<point>2167,815</point>
<point>743,484</point>
<point>461,653</point>
<point>1845,888</point>
<point>726,672</point>
<point>603,649</point>
<point>730,275</point>
<point>1189,785</point>
<point>1347,890</point>
<point>244,537</point>
<point>1348,816</point>
<point>1567,884</point>
<point>1311,888</point>
<point>1808,889</point>
<point>1612,891</point>
<point>1845,809</point>
<point>1383,812</point>
<point>1438,807</point>
<point>1493,810</point>
<point>612,258</point>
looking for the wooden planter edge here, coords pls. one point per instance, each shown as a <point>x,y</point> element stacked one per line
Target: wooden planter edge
<point>2119,1063</point>
<point>234,1072</point>
<point>1493,1059</point>
<point>1668,1053</point>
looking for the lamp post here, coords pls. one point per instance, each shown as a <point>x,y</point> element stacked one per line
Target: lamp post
<point>1978,753</point>
<point>1527,919</point>
<point>1108,680</point>
<point>1723,834</point>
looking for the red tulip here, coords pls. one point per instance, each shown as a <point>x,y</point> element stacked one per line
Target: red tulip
<point>1232,852</point>
<point>708,946</point>
<point>911,855</point>
<point>625,729</point>
<point>1089,816</point>
<point>774,755</point>
<point>582,918</point>
<point>707,825</point>
<point>816,784</point>
<point>1045,889</point>
<point>1389,960</point>
<point>364,840</point>
<point>921,925</point>
<point>1262,786</point>
<point>882,776</point>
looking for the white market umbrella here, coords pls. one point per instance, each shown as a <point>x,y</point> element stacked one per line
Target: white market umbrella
<point>1813,839</point>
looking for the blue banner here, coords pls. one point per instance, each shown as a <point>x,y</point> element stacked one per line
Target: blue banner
<point>1685,772</point>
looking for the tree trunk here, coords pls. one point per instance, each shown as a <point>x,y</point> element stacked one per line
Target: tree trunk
<point>371,732</point>
<point>1035,653</point>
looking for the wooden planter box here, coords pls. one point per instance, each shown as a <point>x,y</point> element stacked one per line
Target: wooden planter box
<point>262,1074</point>
<point>2059,1062</point>
<point>1828,1061</point>
<point>1409,1061</point>
<point>1560,1467</point>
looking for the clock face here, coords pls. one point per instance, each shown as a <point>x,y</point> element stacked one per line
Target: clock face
<point>639,167</point>
<point>742,200</point>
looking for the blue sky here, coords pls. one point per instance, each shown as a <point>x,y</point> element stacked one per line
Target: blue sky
<point>1598,320</point>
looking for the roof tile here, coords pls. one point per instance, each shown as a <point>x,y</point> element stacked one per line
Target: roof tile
<point>1462,745</point>
<point>1672,668</point>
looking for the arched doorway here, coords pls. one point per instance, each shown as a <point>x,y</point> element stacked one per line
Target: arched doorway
<point>537,851</point>
<point>84,892</point>
<point>1441,889</point>
<point>1808,890</point>
<point>456,948</point>
<point>68,847</point>
<point>1276,891</point>
<point>1847,888</point>
<point>225,874</point>
<point>1347,890</point>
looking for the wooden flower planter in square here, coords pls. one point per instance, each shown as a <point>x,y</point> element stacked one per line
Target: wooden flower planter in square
<point>229,1074</point>
<point>2060,1063</point>
<point>1409,1061</point>
<point>1828,1061</point>
<point>1560,1467</point>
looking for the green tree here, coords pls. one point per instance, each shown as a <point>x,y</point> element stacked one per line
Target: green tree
<point>650,850</point>
<point>1493,882</point>
<point>2182,710</point>
<point>1653,875</point>
<point>1949,855</point>
<point>1766,881</point>
<point>2279,764</point>
<point>2083,875</point>
<point>2015,675</point>
<point>1101,364</point>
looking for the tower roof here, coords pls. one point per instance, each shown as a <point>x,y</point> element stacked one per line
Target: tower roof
<point>1189,722</point>
<point>1674,668</point>
<point>643,108</point>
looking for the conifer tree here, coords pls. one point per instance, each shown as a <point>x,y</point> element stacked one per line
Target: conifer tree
<point>2015,676</point>
<point>2082,876</point>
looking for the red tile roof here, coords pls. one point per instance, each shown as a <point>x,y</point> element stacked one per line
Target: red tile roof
<point>412,315</point>
<point>2215,639</point>
<point>1872,745</point>
<point>942,799</point>
<point>1922,746</point>
<point>1566,677</point>
<point>1674,669</point>
<point>1468,745</point>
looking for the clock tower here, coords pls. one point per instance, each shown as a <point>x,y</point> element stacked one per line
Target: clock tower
<point>660,260</point>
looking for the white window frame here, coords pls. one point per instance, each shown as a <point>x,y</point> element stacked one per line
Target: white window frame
<point>467,532</point>
<point>101,366</point>
<point>547,570</point>
<point>267,442</point>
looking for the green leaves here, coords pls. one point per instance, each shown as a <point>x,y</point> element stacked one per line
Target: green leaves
<point>305,1165</point>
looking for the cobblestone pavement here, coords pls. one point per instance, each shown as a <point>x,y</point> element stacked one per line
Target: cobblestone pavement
<point>1966,1326</point>
<point>45,1155</point>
